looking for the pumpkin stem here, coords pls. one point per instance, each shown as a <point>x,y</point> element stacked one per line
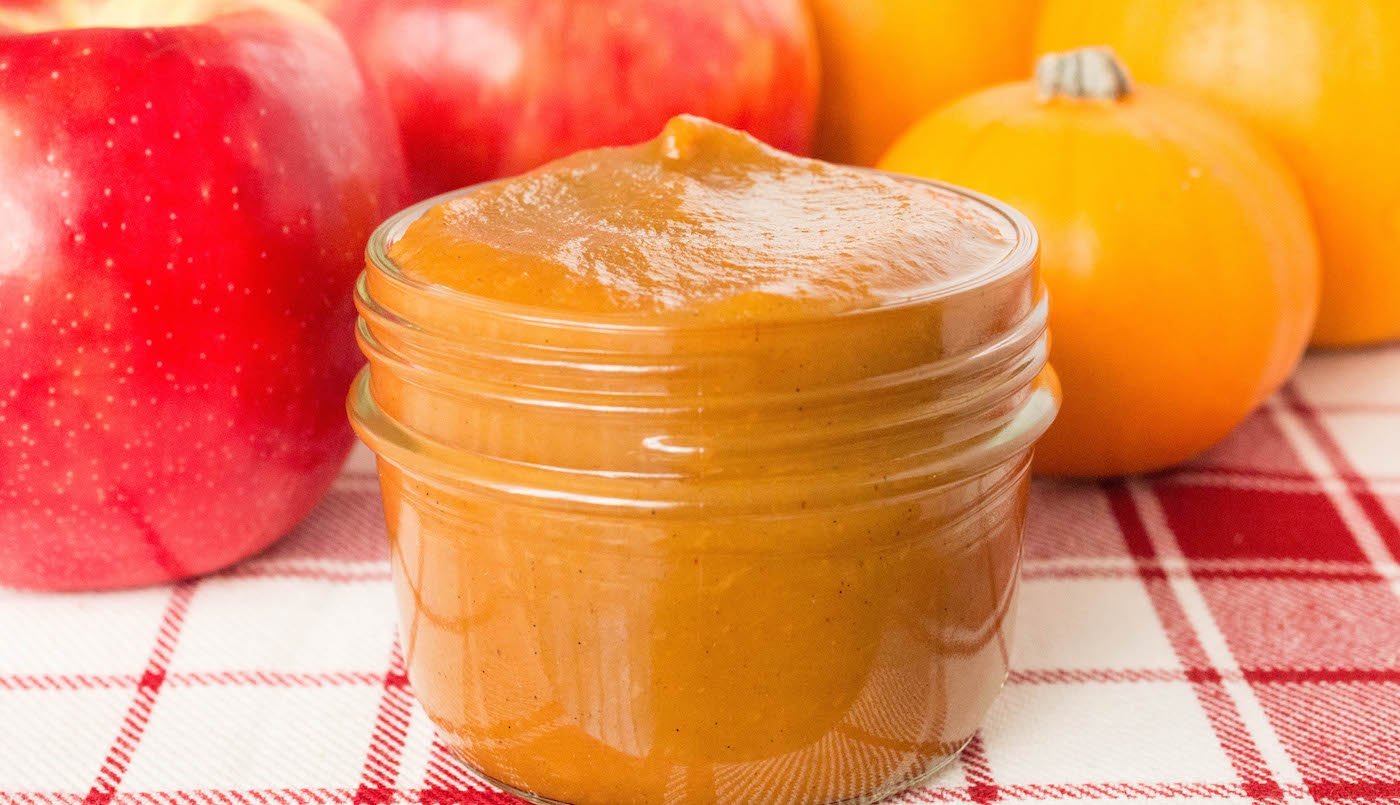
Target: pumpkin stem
<point>1084,74</point>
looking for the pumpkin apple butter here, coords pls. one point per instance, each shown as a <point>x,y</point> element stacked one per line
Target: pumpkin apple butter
<point>705,468</point>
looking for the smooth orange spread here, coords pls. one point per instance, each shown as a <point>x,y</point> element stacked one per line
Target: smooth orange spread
<point>811,625</point>
<point>695,219</point>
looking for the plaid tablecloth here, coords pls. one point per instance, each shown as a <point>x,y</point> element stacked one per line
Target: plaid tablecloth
<point>1227,632</point>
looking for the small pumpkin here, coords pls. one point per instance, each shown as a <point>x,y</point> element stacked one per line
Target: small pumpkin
<point>1178,252</point>
<point>1319,79</point>
<point>886,63</point>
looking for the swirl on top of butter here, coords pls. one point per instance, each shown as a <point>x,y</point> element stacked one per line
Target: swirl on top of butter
<point>702,222</point>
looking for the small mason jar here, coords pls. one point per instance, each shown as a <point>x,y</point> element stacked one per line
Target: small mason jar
<point>768,559</point>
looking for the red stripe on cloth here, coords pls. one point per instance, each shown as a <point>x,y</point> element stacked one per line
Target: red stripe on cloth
<point>1386,526</point>
<point>1220,709</point>
<point>275,679</point>
<point>386,745</point>
<point>1265,676</point>
<point>255,796</point>
<point>1359,790</point>
<point>42,798</point>
<point>1075,676</point>
<point>138,714</point>
<point>1322,676</point>
<point>1361,573</point>
<point>445,772</point>
<point>1355,791</point>
<point>67,681</point>
<point>1297,570</point>
<point>448,781</point>
<point>270,679</point>
<point>1124,790</point>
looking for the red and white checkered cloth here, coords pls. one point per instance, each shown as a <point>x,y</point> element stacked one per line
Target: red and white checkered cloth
<point>1229,632</point>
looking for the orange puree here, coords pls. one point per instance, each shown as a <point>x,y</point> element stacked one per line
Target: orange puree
<point>705,468</point>
<point>698,217</point>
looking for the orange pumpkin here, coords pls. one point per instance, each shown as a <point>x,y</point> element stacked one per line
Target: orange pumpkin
<point>885,63</point>
<point>1176,246</point>
<point>1317,77</point>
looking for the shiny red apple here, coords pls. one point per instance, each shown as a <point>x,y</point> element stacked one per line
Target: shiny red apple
<point>185,200</point>
<point>488,88</point>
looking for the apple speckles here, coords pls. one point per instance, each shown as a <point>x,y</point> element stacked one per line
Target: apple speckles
<point>170,418</point>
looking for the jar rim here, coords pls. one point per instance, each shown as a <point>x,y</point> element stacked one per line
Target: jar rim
<point>1021,255</point>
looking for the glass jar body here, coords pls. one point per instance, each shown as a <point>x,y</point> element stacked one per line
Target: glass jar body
<point>839,655</point>
<point>765,561</point>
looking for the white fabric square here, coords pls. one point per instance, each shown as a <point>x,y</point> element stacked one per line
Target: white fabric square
<point>287,624</point>
<point>1356,433</point>
<point>1351,377</point>
<point>255,737</point>
<point>56,740</point>
<point>92,633</point>
<point>952,776</point>
<point>417,748</point>
<point>360,461</point>
<point>1068,520</point>
<point>1143,732</point>
<point>1088,623</point>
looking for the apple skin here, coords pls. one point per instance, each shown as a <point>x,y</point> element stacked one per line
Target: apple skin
<point>185,210</point>
<point>490,88</point>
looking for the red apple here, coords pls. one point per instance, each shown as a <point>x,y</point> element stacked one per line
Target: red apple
<point>488,88</point>
<point>185,201</point>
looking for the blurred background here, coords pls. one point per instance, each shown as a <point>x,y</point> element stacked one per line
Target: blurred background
<point>188,187</point>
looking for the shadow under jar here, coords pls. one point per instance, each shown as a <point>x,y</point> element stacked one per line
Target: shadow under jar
<point>736,562</point>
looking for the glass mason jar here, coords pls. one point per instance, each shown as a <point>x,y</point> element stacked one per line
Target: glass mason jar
<point>758,561</point>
